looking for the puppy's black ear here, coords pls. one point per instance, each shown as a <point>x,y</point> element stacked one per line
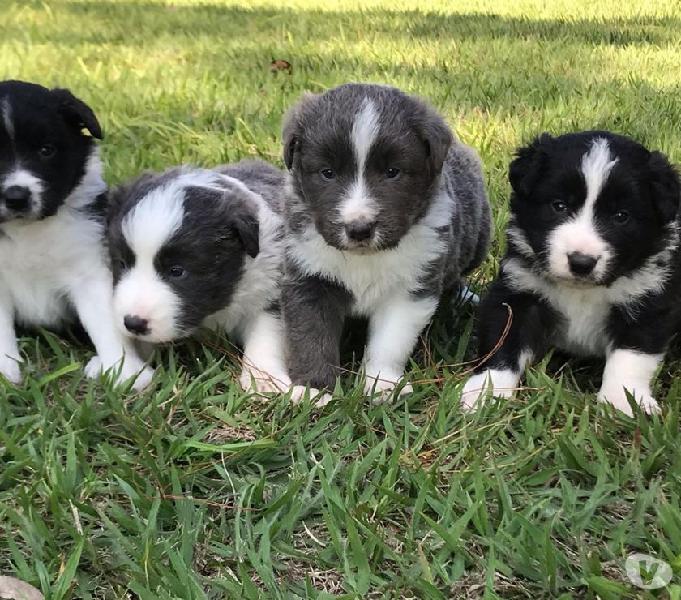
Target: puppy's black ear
<point>77,113</point>
<point>526,167</point>
<point>293,128</point>
<point>245,221</point>
<point>436,135</point>
<point>664,186</point>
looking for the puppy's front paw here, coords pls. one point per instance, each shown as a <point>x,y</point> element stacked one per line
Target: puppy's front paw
<point>320,398</point>
<point>261,382</point>
<point>10,369</point>
<point>615,394</point>
<point>142,373</point>
<point>381,387</point>
<point>500,383</point>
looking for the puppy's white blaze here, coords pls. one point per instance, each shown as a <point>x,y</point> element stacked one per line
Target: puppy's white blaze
<point>23,178</point>
<point>596,166</point>
<point>357,203</point>
<point>632,371</point>
<point>579,234</point>
<point>6,110</point>
<point>154,221</point>
<point>141,292</point>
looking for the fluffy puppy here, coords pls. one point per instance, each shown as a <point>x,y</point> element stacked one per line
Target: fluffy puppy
<point>385,210</point>
<point>53,262</point>
<point>592,265</point>
<point>196,247</point>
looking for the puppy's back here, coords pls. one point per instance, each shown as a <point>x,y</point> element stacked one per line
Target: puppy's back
<point>472,220</point>
<point>260,177</point>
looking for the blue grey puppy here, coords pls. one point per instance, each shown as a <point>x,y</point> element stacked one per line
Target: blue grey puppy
<point>195,248</point>
<point>385,211</point>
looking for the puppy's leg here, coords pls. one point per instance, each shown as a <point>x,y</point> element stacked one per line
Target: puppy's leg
<point>9,351</point>
<point>393,331</point>
<point>527,324</point>
<point>263,364</point>
<point>314,312</point>
<point>632,371</point>
<point>92,300</point>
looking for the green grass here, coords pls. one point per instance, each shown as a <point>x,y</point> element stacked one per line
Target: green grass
<point>195,490</point>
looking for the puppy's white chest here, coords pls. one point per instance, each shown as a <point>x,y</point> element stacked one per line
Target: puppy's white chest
<point>585,316</point>
<point>40,261</point>
<point>372,278</point>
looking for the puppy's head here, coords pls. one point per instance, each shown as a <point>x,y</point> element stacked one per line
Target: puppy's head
<point>178,244</point>
<point>364,160</point>
<point>590,207</point>
<point>44,149</point>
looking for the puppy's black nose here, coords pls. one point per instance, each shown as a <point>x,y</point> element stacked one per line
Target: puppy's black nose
<point>17,197</point>
<point>360,231</point>
<point>581,264</point>
<point>136,325</point>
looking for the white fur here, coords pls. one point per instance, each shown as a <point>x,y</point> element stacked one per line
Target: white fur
<point>358,204</point>
<point>501,383</point>
<point>632,371</point>
<point>6,112</point>
<point>23,178</point>
<point>393,331</point>
<point>579,233</point>
<point>518,239</point>
<point>49,266</point>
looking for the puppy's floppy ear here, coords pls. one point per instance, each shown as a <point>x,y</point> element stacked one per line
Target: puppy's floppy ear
<point>436,135</point>
<point>527,165</point>
<point>243,218</point>
<point>77,113</point>
<point>293,128</point>
<point>664,186</point>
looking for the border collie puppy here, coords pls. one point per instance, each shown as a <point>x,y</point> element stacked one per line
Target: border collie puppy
<point>385,211</point>
<point>592,266</point>
<point>53,261</point>
<point>197,247</point>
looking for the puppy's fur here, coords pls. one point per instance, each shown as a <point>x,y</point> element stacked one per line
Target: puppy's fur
<point>385,210</point>
<point>196,247</point>
<point>53,263</point>
<point>592,265</point>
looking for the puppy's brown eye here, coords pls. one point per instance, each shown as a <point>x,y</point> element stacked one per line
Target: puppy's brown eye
<point>621,217</point>
<point>392,172</point>
<point>328,174</point>
<point>176,272</point>
<point>559,206</point>
<point>47,151</point>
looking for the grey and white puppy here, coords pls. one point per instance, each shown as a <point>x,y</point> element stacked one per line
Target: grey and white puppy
<point>385,210</point>
<point>195,248</point>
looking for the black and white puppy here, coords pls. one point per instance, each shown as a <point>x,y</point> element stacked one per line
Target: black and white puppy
<point>385,210</point>
<point>195,248</point>
<point>592,265</point>
<point>53,261</point>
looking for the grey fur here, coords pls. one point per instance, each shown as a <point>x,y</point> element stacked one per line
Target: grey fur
<point>439,188</point>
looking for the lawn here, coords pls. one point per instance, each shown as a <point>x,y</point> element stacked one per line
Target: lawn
<point>195,490</point>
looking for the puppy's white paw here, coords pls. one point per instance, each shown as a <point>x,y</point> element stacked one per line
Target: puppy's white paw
<point>10,369</point>
<point>500,383</point>
<point>300,392</point>
<point>260,382</point>
<point>142,373</point>
<point>616,395</point>
<point>381,388</point>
